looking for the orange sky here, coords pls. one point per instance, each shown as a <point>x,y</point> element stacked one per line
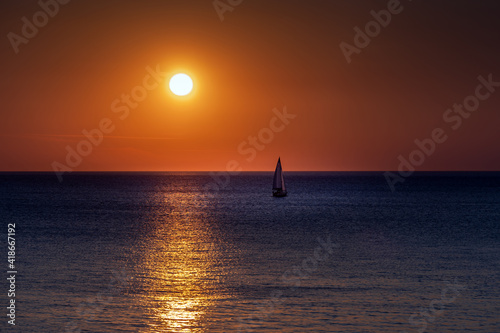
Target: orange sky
<point>265,55</point>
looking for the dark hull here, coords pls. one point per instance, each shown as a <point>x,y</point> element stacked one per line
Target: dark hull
<point>279,193</point>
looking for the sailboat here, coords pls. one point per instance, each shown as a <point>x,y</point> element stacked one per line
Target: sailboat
<point>279,189</point>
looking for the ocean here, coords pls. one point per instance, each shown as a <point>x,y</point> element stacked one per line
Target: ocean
<point>171,252</point>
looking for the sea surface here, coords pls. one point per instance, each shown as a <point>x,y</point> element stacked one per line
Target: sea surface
<point>179,252</point>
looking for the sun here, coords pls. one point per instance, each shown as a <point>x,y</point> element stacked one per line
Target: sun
<point>181,84</point>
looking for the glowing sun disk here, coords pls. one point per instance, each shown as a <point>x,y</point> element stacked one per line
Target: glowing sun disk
<point>181,84</point>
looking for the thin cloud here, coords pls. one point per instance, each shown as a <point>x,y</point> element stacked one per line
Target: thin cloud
<point>70,136</point>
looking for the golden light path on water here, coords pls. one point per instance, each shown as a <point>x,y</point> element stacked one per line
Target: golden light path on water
<point>180,266</point>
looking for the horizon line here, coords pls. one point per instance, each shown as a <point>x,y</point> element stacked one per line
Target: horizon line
<point>231,172</point>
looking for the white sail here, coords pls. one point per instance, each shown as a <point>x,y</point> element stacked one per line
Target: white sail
<point>278,181</point>
<point>279,189</point>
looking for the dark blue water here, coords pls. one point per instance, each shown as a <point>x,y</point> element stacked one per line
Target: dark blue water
<point>157,252</point>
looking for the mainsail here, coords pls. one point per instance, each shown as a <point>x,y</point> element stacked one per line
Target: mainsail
<point>278,181</point>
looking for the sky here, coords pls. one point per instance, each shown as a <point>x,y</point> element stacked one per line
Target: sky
<point>326,85</point>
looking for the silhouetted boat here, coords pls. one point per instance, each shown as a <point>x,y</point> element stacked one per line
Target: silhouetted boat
<point>279,189</point>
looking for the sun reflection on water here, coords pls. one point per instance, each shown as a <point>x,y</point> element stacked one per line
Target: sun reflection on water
<point>180,264</point>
